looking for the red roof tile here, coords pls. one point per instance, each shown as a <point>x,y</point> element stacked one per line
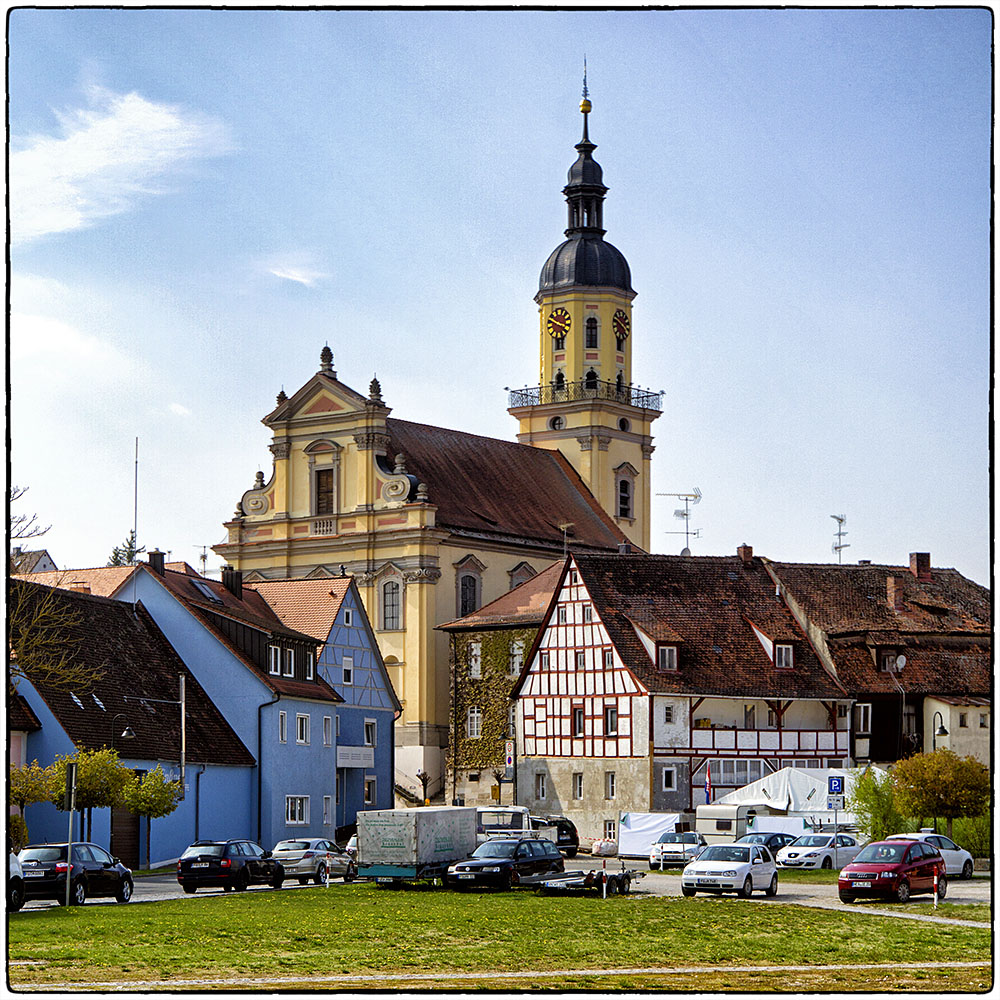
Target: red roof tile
<point>310,606</point>
<point>526,604</point>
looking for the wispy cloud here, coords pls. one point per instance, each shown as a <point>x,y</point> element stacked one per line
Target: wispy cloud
<point>296,267</point>
<point>105,159</point>
<point>179,410</point>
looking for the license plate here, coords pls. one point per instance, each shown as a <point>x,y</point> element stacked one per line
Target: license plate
<point>707,881</point>
<point>200,864</point>
<point>30,874</point>
<point>860,885</point>
<point>464,875</point>
<point>384,880</point>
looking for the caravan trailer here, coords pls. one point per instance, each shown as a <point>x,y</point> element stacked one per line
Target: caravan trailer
<point>722,824</point>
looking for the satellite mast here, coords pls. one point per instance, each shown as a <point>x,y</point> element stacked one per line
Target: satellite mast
<point>204,559</point>
<point>690,500</point>
<point>839,545</point>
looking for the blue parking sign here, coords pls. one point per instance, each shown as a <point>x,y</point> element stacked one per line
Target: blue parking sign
<point>835,785</point>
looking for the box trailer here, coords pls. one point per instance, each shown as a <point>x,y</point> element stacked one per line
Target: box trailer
<point>399,844</point>
<point>722,824</point>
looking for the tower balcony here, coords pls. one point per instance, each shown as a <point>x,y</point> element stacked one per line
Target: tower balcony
<point>571,392</point>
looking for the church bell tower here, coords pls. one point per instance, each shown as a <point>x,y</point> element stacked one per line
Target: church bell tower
<point>585,404</point>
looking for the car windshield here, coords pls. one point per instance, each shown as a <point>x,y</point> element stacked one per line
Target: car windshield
<point>678,838</point>
<point>50,853</point>
<point>292,845</point>
<point>753,838</point>
<point>810,841</point>
<point>490,820</point>
<point>199,850</point>
<point>889,854</point>
<point>731,853</point>
<point>495,849</point>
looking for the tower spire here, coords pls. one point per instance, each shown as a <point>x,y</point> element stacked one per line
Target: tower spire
<point>585,102</point>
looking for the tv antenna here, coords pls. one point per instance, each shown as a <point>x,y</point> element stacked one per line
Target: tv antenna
<point>839,545</point>
<point>690,500</point>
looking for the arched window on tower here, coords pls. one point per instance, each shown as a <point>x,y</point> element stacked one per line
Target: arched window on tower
<point>624,498</point>
<point>590,340</point>
<point>560,382</point>
<point>625,477</point>
<point>590,380</point>
<point>391,612</point>
<point>559,343</point>
<point>620,383</point>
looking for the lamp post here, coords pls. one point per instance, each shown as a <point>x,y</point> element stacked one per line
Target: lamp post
<point>940,731</point>
<point>127,734</point>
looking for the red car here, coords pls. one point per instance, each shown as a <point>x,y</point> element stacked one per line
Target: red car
<point>894,868</point>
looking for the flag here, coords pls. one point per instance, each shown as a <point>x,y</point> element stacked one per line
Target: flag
<point>708,782</point>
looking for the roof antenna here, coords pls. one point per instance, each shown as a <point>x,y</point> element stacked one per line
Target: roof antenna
<point>839,545</point>
<point>135,525</point>
<point>690,500</point>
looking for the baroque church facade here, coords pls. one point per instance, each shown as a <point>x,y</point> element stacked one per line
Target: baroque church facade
<point>433,523</point>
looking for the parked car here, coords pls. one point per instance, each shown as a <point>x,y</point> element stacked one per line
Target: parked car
<point>774,842</point>
<point>818,850</point>
<point>92,872</point>
<point>567,837</point>
<point>227,864</point>
<point>351,847</point>
<point>958,861</point>
<point>312,858</point>
<point>739,868</point>
<point>675,849</point>
<point>504,861</point>
<point>15,884</point>
<point>896,868</point>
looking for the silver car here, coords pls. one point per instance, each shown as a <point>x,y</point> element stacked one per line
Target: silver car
<point>314,858</point>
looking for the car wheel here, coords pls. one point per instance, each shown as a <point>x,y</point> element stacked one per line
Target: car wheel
<point>626,885</point>
<point>772,889</point>
<point>654,868</point>
<point>227,887</point>
<point>78,893</point>
<point>942,886</point>
<point>320,876</point>
<point>827,862</point>
<point>191,889</point>
<point>507,882</point>
<point>349,873</point>
<point>278,877</point>
<point>15,896</point>
<point>242,880</point>
<point>903,891</point>
<point>967,870</point>
<point>846,897</point>
<point>612,888</point>
<point>124,894</point>
<point>571,852</point>
<point>688,890</point>
<point>747,889</point>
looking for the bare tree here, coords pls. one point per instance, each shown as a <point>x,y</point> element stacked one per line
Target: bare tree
<point>23,525</point>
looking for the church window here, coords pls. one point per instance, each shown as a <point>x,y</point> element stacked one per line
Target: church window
<point>468,590</point>
<point>521,573</point>
<point>590,339</point>
<point>556,423</point>
<point>391,618</point>
<point>560,381</point>
<point>590,379</point>
<point>559,343</point>
<point>624,498</point>
<point>324,491</point>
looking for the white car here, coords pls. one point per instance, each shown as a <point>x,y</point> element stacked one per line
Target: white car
<point>311,858</point>
<point>675,849</point>
<point>739,868</point>
<point>957,861</point>
<point>819,850</point>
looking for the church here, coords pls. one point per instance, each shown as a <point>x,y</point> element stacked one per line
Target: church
<point>433,523</point>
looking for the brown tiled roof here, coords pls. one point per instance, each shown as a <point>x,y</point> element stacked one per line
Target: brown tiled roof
<point>526,604</point>
<point>853,598</point>
<point>101,580</point>
<point>487,488</point>
<point>25,562</point>
<point>706,604</point>
<point>310,606</point>
<point>182,567</point>
<point>20,716</point>
<point>138,662</point>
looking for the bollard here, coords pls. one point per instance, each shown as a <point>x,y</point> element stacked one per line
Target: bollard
<point>326,874</point>
<point>935,887</point>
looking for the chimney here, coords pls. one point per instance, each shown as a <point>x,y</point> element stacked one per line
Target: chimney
<point>232,580</point>
<point>894,592</point>
<point>156,561</point>
<point>920,565</point>
<point>745,552</point>
<point>80,587</point>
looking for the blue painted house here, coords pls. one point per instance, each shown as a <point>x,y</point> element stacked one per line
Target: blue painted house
<point>134,710</point>
<point>352,664</point>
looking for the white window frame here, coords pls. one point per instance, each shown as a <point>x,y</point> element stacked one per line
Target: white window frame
<point>302,729</point>
<point>543,661</point>
<point>863,718</point>
<point>274,660</point>
<point>511,721</point>
<point>581,659</point>
<point>310,660</point>
<point>289,662</point>
<point>296,810</point>
<point>963,720</point>
<point>783,656</point>
<point>610,784</point>
<point>578,785</point>
<point>348,617</point>
<point>671,785</point>
<point>370,790</point>
<point>668,715</point>
<point>666,657</point>
<point>611,829</point>
<point>515,658</point>
<point>540,787</point>
<point>984,720</point>
<point>610,720</point>
<point>474,722</point>
<point>282,727</point>
<point>327,731</point>
<point>577,712</point>
<point>327,810</point>
<point>475,660</point>
<point>588,614</point>
<point>347,670</point>
<point>371,732</point>
<point>561,614</point>
<point>609,659</point>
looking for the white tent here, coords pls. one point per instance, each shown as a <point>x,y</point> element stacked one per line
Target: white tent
<point>636,831</point>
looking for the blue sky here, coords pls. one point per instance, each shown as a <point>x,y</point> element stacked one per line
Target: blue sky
<point>201,199</point>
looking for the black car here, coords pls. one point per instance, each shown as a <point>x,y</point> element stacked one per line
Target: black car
<point>92,872</point>
<point>567,838</point>
<point>504,861</point>
<point>772,841</point>
<point>227,864</point>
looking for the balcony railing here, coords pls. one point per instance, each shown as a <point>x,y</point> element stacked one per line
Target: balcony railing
<point>763,741</point>
<point>570,392</point>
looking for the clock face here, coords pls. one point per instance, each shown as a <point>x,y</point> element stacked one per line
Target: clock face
<point>558,323</point>
<point>620,323</point>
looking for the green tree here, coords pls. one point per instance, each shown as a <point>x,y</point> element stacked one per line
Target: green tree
<point>152,796</point>
<point>26,786</point>
<point>101,780</point>
<point>941,784</point>
<point>872,800</point>
<point>126,554</point>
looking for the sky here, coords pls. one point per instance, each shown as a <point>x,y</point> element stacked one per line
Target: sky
<point>201,199</point>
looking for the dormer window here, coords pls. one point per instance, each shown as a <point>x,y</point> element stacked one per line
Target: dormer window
<point>666,657</point>
<point>289,662</point>
<point>274,660</point>
<point>783,657</point>
<point>887,660</point>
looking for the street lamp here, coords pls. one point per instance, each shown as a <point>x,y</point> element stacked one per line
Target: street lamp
<point>127,734</point>
<point>940,731</point>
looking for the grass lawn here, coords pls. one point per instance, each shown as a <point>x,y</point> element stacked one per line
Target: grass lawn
<point>363,930</point>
